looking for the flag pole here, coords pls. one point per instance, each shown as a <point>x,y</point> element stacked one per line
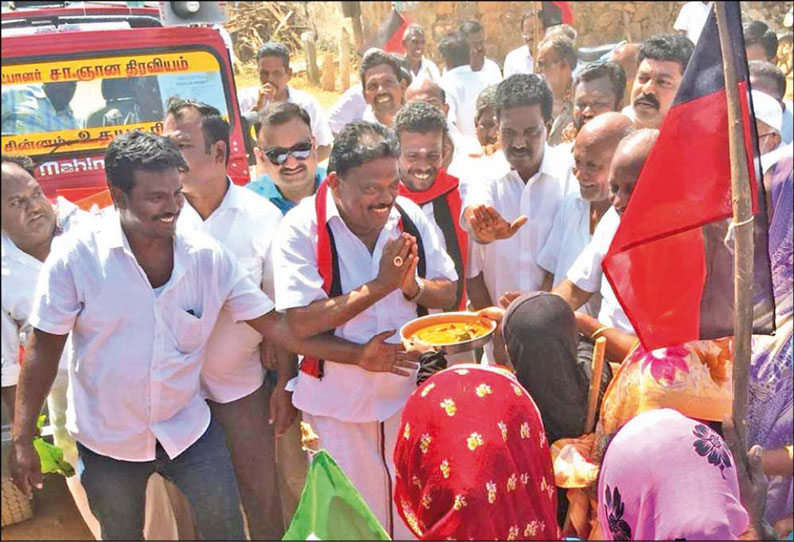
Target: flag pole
<point>741,199</point>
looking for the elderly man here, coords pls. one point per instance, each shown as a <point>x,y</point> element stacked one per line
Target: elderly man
<point>497,209</point>
<point>141,299</point>
<point>384,86</point>
<point>272,62</point>
<point>663,60</point>
<point>556,62</point>
<point>348,260</point>
<point>286,155</point>
<point>580,212</point>
<point>585,277</point>
<point>414,44</point>
<point>519,60</point>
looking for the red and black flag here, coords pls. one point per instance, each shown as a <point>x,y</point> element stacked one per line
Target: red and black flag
<point>554,13</point>
<point>389,36</point>
<point>670,262</point>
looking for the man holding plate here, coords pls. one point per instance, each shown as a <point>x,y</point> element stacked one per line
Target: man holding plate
<point>358,261</point>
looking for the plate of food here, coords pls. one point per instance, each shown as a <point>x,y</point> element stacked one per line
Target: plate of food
<point>448,332</point>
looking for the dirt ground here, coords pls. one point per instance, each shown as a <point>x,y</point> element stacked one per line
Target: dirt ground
<point>55,516</point>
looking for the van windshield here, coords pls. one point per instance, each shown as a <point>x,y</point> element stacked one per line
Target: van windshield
<point>71,105</point>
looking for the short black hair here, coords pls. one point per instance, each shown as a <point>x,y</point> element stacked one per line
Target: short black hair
<point>138,150</point>
<point>524,89</point>
<point>762,68</point>
<point>604,68</point>
<point>419,117</point>
<point>279,113</point>
<point>213,125</point>
<point>667,47</point>
<point>377,57</point>
<point>274,48</point>
<point>361,142</point>
<point>485,100</point>
<point>563,47</point>
<point>470,27</point>
<point>22,160</point>
<point>455,50</point>
<point>759,33</point>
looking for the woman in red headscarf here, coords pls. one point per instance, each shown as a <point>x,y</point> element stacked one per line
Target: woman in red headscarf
<point>472,460</point>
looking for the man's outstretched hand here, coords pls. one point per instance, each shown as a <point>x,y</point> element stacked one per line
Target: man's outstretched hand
<point>488,225</point>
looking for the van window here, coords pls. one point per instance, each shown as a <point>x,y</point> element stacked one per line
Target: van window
<point>73,105</point>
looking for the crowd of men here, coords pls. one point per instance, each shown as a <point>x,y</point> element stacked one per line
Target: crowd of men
<point>200,320</point>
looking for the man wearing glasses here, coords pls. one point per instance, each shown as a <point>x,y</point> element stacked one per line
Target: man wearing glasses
<point>286,153</point>
<point>520,60</point>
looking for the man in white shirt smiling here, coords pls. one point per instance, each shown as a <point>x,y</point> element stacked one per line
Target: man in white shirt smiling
<point>141,299</point>
<point>233,378</point>
<point>419,66</point>
<point>496,211</point>
<point>359,261</point>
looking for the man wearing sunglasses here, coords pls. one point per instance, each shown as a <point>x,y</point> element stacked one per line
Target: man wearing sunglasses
<point>285,152</point>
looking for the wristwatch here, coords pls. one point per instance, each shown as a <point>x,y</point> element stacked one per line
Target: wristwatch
<point>420,288</point>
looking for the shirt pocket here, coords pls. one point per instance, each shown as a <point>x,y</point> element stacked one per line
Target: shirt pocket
<point>188,331</point>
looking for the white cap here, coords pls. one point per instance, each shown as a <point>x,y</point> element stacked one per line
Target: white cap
<point>768,110</point>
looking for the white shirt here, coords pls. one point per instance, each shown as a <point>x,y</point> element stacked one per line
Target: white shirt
<point>427,70</point>
<point>519,60</point>
<point>349,108</point>
<point>491,71</point>
<point>20,271</point>
<point>692,18</point>
<point>134,369</point>
<point>245,223</point>
<point>569,236</point>
<point>586,273</point>
<point>462,86</point>
<point>511,264</point>
<point>321,130</point>
<point>347,392</point>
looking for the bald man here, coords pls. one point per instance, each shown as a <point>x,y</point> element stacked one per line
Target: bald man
<point>456,145</point>
<point>580,212</point>
<point>585,277</point>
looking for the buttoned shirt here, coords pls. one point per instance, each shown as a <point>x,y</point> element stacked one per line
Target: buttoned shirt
<point>569,236</point>
<point>348,392</point>
<point>20,271</point>
<point>519,60</point>
<point>245,224</point>
<point>427,70</point>
<point>26,109</point>
<point>511,264</point>
<point>134,373</point>
<point>586,273</point>
<point>321,130</point>
<point>462,87</point>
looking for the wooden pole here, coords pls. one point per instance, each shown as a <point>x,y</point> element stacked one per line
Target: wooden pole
<point>344,59</point>
<point>329,72</point>
<point>537,29</point>
<point>595,384</point>
<point>741,198</point>
<point>311,57</point>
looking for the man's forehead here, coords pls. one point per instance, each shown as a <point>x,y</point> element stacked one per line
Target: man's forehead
<point>599,85</point>
<point>16,180</point>
<point>380,72</point>
<point>156,180</point>
<point>521,116</point>
<point>418,141</point>
<point>271,63</point>
<point>669,68</point>
<point>285,135</point>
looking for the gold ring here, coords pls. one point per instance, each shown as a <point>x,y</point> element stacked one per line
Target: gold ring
<point>398,261</point>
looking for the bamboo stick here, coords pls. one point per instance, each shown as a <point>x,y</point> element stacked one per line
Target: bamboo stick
<point>595,384</point>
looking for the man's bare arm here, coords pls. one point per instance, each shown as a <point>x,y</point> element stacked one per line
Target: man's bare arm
<point>479,298</point>
<point>572,294</point>
<point>548,281</point>
<point>42,354</point>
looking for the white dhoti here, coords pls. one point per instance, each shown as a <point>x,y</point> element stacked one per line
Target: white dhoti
<point>365,451</point>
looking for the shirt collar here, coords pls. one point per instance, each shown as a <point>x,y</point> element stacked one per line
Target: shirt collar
<point>461,69</point>
<point>10,251</point>
<point>546,167</point>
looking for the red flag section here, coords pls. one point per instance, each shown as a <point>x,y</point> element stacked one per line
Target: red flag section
<point>668,263</point>
<point>389,36</point>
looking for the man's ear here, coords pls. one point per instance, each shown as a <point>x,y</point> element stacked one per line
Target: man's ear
<point>333,180</point>
<point>260,156</point>
<point>289,74</point>
<point>445,110</point>
<point>119,197</point>
<point>220,152</point>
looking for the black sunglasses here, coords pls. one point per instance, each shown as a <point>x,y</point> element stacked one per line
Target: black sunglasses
<point>278,155</point>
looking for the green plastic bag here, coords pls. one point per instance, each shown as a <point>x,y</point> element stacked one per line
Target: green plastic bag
<point>331,508</point>
<point>51,456</point>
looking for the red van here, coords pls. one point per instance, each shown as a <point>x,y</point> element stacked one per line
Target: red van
<point>73,78</point>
